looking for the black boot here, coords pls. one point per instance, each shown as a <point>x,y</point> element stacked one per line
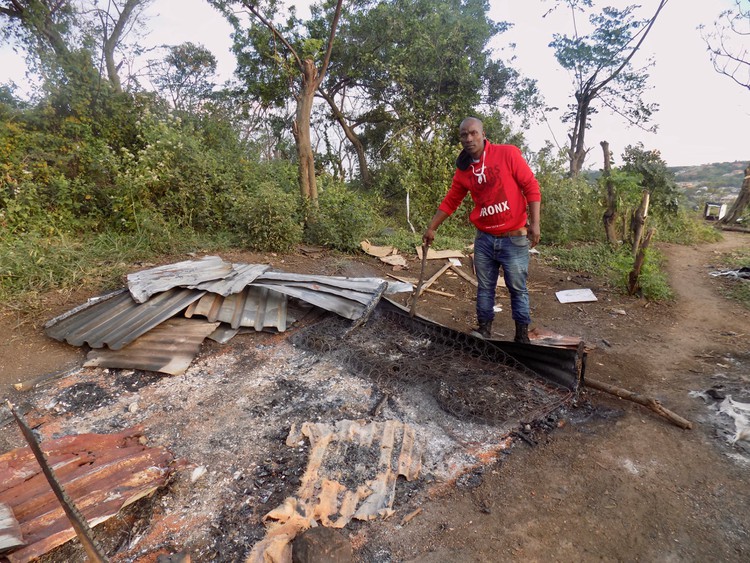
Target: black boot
<point>522,333</point>
<point>483,331</point>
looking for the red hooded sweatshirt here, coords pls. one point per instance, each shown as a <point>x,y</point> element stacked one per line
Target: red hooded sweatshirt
<point>501,185</point>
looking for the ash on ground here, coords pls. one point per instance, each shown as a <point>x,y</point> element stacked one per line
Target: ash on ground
<point>229,415</point>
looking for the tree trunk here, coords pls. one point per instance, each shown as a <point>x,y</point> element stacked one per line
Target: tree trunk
<point>577,152</point>
<point>111,42</point>
<point>610,214</point>
<point>359,148</point>
<point>302,135</point>
<point>742,201</point>
<point>639,221</point>
<point>633,283</point>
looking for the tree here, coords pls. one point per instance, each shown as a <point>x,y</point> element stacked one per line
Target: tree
<point>185,75</point>
<point>728,43</point>
<point>115,22</point>
<point>271,54</point>
<point>57,34</point>
<point>728,48</point>
<point>656,178</point>
<point>413,65</point>
<point>601,64</point>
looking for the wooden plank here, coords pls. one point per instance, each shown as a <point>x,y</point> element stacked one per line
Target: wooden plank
<point>434,278</point>
<point>413,281</point>
<point>465,276</point>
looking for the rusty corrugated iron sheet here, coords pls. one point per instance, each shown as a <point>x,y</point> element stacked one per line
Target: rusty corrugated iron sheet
<point>190,274</point>
<point>118,320</point>
<point>334,490</point>
<point>168,348</point>
<point>101,473</point>
<point>254,306</point>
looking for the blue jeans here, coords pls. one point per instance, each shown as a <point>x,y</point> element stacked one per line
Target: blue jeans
<point>512,253</point>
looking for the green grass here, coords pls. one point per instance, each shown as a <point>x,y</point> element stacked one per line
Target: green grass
<point>32,263</point>
<point>611,265</point>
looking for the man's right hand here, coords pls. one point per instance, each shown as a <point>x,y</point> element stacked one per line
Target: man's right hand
<point>428,236</point>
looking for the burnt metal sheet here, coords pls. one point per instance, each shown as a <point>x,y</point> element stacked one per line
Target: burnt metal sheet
<point>168,348</point>
<point>119,320</point>
<point>190,274</point>
<point>256,307</point>
<point>565,367</point>
<point>241,276</point>
<point>101,474</point>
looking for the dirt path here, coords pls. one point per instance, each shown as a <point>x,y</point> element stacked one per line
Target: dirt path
<point>700,314</point>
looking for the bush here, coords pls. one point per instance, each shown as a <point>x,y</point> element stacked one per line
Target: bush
<point>266,218</point>
<point>342,218</point>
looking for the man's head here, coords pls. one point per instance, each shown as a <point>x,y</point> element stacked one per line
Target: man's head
<point>471,132</point>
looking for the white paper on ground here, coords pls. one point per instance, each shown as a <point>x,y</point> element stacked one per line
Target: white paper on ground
<point>575,295</point>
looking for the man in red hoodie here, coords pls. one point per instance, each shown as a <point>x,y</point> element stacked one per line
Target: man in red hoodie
<point>503,187</point>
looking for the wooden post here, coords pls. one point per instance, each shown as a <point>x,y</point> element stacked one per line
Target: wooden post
<point>633,285</point>
<point>639,221</point>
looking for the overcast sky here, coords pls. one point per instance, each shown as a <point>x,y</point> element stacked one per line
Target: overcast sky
<point>704,117</point>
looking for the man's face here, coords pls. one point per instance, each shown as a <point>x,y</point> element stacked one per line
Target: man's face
<point>472,137</point>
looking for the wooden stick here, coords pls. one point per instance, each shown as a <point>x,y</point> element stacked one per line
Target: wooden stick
<point>465,276</point>
<point>433,279</point>
<point>409,517</point>
<point>418,291</point>
<point>428,290</point>
<point>648,402</point>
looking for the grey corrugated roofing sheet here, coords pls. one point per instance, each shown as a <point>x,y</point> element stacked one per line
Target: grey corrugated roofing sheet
<point>255,297</point>
<point>189,274</point>
<point>255,307</point>
<point>168,348</point>
<point>348,297</point>
<point>118,320</point>
<point>241,276</point>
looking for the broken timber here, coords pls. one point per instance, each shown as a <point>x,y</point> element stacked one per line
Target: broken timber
<point>648,402</point>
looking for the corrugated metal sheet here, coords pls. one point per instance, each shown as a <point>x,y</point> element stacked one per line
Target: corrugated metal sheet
<point>242,276</point>
<point>333,490</point>
<point>348,308</point>
<point>364,285</point>
<point>119,320</point>
<point>189,273</point>
<point>168,348</point>
<point>255,307</point>
<point>101,474</point>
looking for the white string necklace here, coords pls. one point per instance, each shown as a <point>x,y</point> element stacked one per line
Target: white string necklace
<point>479,175</point>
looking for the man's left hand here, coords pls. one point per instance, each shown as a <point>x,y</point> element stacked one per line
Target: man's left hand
<point>533,233</point>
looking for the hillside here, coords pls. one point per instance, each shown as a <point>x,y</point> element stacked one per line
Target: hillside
<point>715,175</point>
<point>716,182</point>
